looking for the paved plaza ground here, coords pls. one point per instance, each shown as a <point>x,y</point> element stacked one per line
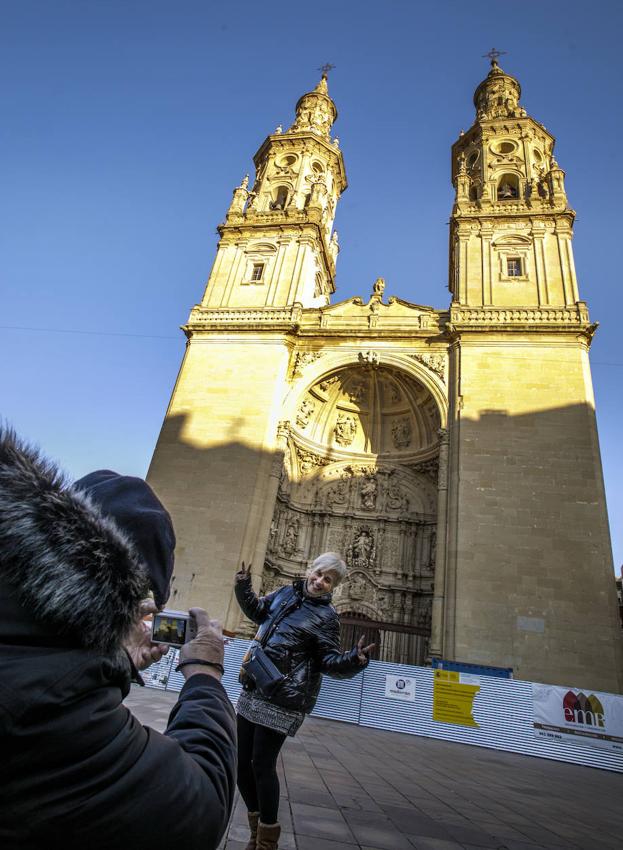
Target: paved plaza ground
<point>346,787</point>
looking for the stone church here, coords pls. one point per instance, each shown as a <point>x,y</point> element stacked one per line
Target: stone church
<point>450,455</point>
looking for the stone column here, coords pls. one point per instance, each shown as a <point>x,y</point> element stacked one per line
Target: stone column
<point>436,640</point>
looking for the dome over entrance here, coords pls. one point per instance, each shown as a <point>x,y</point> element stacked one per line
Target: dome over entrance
<point>369,411</point>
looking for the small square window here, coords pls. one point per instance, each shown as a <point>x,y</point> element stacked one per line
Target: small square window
<point>513,267</point>
<point>257,272</point>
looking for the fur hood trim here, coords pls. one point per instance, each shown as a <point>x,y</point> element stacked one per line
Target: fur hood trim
<point>70,566</point>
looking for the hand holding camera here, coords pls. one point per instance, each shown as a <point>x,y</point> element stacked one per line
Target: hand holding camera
<point>206,648</point>
<point>139,644</point>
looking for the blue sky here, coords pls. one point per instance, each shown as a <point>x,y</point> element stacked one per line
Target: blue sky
<point>124,127</point>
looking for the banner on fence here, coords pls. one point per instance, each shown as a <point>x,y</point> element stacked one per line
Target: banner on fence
<point>453,697</point>
<point>400,687</point>
<point>580,717</point>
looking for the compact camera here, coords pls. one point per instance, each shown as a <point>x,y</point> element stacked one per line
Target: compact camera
<point>173,627</point>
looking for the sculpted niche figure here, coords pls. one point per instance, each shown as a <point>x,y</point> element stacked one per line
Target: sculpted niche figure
<point>362,550</point>
<point>369,489</point>
<point>345,430</point>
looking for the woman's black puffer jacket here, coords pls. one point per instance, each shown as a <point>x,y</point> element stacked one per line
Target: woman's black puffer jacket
<point>303,645</point>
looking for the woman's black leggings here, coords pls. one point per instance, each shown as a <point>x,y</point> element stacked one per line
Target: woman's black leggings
<point>258,748</point>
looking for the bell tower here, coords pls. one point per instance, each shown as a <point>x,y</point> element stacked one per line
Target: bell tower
<point>529,560</point>
<point>277,244</point>
<point>511,225</point>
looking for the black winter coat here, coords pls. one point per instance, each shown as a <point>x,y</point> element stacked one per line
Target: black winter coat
<point>78,771</point>
<point>303,645</point>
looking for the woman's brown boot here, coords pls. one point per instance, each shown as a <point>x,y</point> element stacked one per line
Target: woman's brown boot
<point>267,836</point>
<point>254,818</point>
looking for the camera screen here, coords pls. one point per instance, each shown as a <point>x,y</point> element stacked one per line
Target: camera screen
<point>169,629</point>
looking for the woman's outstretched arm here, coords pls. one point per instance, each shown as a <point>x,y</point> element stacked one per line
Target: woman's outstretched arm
<point>254,607</point>
<point>333,662</point>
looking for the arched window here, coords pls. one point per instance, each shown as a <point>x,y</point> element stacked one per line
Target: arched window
<point>281,198</point>
<point>508,188</point>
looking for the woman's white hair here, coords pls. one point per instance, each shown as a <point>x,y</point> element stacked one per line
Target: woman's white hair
<point>329,562</point>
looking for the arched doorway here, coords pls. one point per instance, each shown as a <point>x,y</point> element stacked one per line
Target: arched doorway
<point>360,478</point>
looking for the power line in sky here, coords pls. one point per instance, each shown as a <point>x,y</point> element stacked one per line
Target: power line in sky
<point>156,336</point>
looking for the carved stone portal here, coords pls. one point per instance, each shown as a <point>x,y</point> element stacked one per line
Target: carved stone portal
<point>364,492</point>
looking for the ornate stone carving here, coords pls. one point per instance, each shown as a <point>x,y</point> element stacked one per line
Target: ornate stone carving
<point>283,429</point>
<point>397,499</point>
<point>369,491</point>
<point>338,493</point>
<point>315,112</point>
<point>429,468</point>
<point>290,537</point>
<point>303,359</point>
<point>401,433</point>
<point>435,362</point>
<point>345,429</point>
<point>205,317</point>
<point>328,383</point>
<point>369,359</point>
<point>304,412</point>
<point>239,199</point>
<point>362,551</point>
<point>357,587</point>
<point>497,316</point>
<point>309,461</point>
<point>356,393</point>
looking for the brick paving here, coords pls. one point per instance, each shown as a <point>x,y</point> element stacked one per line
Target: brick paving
<point>346,787</point>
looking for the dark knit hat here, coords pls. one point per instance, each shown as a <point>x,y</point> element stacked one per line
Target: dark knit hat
<point>138,512</point>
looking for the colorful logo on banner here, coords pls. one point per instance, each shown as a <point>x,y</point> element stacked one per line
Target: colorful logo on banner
<point>571,715</point>
<point>586,711</point>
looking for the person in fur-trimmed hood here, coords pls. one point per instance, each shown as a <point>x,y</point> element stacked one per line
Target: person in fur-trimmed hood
<point>77,562</point>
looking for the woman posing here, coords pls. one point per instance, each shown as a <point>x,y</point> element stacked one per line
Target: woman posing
<point>300,634</point>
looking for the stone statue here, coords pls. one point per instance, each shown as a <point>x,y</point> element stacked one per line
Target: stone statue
<point>290,538</point>
<point>362,550</point>
<point>379,287</point>
<point>345,429</point>
<point>369,490</point>
<point>401,433</point>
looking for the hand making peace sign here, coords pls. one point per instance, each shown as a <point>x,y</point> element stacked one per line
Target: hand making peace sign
<point>363,652</point>
<point>243,573</point>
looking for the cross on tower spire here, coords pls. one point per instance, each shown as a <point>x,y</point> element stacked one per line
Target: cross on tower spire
<point>326,68</point>
<point>493,55</point>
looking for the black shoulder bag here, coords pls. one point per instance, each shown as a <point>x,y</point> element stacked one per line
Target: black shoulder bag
<point>257,665</point>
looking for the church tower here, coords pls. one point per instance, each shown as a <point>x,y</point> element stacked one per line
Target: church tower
<point>277,246</point>
<point>511,226</point>
<point>218,461</point>
<point>529,573</point>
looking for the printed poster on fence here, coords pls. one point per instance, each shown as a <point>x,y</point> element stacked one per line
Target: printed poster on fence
<point>453,697</point>
<point>400,687</point>
<point>584,717</point>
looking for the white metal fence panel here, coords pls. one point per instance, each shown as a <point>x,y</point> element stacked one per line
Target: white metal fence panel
<point>339,699</point>
<point>502,708</point>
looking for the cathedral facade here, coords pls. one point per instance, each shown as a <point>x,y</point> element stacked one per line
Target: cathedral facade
<point>450,456</point>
